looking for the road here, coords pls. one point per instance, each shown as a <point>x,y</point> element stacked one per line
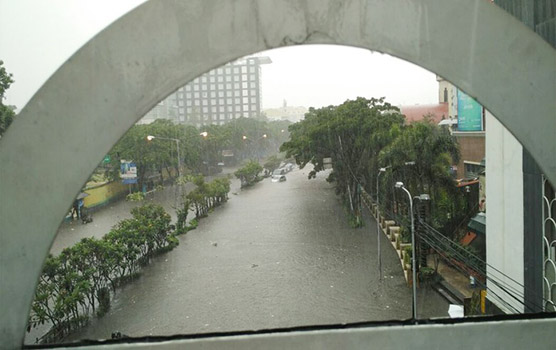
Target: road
<point>276,255</point>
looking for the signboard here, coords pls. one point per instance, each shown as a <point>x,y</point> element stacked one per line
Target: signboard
<point>470,113</point>
<point>106,159</point>
<point>227,153</point>
<point>128,172</point>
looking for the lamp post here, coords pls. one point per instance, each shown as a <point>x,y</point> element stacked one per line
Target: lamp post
<point>151,137</point>
<point>413,260</point>
<point>380,171</point>
<point>204,134</point>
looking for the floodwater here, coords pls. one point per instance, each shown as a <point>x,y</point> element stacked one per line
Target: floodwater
<point>275,255</point>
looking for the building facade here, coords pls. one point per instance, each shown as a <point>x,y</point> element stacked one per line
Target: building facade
<point>521,225</point>
<point>229,92</point>
<point>225,93</point>
<point>165,109</point>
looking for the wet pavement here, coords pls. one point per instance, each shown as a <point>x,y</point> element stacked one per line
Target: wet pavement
<point>276,255</point>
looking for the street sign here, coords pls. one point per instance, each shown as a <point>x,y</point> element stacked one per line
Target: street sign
<point>106,159</point>
<point>128,172</point>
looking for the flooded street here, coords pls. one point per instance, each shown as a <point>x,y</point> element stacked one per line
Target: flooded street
<point>276,255</point>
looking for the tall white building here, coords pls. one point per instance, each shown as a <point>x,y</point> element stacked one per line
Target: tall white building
<point>225,93</point>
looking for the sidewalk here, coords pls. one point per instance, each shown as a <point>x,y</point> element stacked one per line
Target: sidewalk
<point>454,282</point>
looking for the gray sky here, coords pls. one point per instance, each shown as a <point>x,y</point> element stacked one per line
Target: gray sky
<point>38,36</point>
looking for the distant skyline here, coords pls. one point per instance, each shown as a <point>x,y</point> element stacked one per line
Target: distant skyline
<point>36,38</point>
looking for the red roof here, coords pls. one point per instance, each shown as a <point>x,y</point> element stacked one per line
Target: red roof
<point>417,112</point>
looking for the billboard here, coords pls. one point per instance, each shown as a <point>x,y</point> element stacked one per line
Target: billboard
<point>470,113</point>
<point>128,172</point>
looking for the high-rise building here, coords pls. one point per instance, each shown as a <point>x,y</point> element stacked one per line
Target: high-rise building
<point>165,109</point>
<point>225,93</point>
<point>229,92</point>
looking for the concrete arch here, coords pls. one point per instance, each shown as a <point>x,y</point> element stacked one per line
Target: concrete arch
<point>82,110</point>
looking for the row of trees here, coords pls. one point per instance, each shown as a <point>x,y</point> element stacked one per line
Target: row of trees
<point>363,135</point>
<point>202,199</point>
<point>200,148</point>
<point>78,282</point>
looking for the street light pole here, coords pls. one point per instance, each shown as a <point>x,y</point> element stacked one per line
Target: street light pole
<point>151,137</point>
<point>380,171</point>
<point>413,260</point>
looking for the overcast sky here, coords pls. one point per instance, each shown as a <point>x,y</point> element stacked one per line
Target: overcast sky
<point>38,36</point>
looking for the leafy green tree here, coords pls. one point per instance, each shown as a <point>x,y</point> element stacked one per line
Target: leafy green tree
<point>7,114</point>
<point>352,135</point>
<point>272,163</point>
<point>249,174</point>
<point>433,150</point>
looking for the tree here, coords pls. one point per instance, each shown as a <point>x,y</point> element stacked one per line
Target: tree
<point>433,150</point>
<point>7,114</point>
<point>273,162</point>
<point>352,135</point>
<point>249,174</point>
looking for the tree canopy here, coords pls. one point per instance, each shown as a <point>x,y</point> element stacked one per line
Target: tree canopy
<point>7,114</point>
<point>363,135</point>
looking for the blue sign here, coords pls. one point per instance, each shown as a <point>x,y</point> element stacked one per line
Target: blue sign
<point>470,113</point>
<point>128,172</point>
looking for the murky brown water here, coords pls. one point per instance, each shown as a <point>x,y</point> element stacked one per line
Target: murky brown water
<point>275,255</point>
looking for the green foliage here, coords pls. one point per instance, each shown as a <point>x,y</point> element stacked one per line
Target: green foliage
<point>7,114</point>
<point>405,234</point>
<point>352,134</point>
<point>135,197</point>
<point>272,163</point>
<point>363,135</point>
<point>197,153</point>
<point>193,224</point>
<point>77,283</point>
<point>433,150</point>
<point>249,173</point>
<point>428,275</point>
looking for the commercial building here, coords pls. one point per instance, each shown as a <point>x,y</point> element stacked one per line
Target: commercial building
<point>521,226</point>
<point>225,93</point>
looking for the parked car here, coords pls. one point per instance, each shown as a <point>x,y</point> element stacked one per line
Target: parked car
<point>279,175</point>
<point>289,167</point>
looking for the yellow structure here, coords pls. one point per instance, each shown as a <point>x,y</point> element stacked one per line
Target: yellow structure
<point>104,193</point>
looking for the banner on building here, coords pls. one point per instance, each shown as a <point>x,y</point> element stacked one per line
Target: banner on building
<point>470,113</point>
<point>128,172</point>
